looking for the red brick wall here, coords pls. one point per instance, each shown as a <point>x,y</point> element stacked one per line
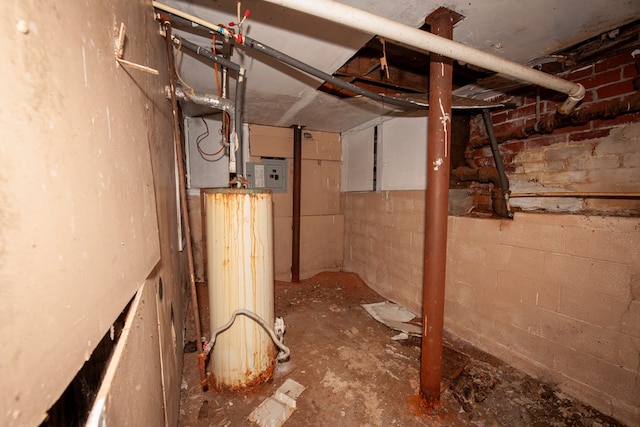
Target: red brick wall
<point>601,155</point>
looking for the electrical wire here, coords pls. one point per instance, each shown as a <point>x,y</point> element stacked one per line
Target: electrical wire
<point>276,335</point>
<point>204,135</point>
<point>215,65</point>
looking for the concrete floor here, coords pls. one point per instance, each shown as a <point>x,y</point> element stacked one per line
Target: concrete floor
<point>355,375</point>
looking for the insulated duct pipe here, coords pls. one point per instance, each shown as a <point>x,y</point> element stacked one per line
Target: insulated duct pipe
<point>208,100</point>
<point>236,135</point>
<point>218,103</point>
<point>392,30</point>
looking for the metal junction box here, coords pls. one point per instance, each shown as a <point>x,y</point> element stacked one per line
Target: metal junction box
<point>269,174</point>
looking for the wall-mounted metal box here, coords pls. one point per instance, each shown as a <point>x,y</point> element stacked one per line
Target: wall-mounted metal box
<point>269,173</point>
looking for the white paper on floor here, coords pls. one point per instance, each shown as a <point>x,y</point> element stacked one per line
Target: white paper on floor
<point>275,410</point>
<point>394,316</point>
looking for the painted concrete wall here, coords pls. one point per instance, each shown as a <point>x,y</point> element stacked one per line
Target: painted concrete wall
<point>554,295</point>
<point>88,203</point>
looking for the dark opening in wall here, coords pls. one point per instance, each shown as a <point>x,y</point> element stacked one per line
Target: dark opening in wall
<point>73,406</point>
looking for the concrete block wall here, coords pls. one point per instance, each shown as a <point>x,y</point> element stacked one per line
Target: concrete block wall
<point>554,295</point>
<point>599,156</point>
<point>384,242</point>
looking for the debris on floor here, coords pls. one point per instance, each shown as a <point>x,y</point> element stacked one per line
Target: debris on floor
<point>395,317</point>
<point>276,409</point>
<point>356,375</point>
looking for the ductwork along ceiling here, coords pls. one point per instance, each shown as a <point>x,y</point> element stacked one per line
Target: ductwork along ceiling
<point>537,34</point>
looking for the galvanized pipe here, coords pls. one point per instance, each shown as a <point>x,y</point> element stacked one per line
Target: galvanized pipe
<point>297,181</point>
<point>183,204</point>
<point>437,199</point>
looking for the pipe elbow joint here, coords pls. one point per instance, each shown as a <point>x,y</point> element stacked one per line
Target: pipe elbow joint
<point>572,100</point>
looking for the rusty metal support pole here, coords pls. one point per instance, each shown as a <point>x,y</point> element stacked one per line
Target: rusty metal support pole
<point>435,251</point>
<point>297,180</point>
<point>183,204</point>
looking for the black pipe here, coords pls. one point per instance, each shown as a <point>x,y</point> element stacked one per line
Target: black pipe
<point>286,59</point>
<point>504,182</point>
<point>202,51</point>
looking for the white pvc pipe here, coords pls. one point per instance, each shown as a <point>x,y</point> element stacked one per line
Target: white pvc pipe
<point>374,24</point>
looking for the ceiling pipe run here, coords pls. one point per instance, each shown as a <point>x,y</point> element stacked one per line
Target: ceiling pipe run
<point>406,101</point>
<point>437,212</point>
<point>416,38</point>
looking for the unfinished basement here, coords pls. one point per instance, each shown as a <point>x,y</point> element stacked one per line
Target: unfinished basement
<point>320,212</point>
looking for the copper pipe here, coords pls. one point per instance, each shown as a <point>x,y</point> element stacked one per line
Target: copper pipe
<point>183,202</point>
<point>297,181</point>
<point>435,252</point>
<point>600,110</point>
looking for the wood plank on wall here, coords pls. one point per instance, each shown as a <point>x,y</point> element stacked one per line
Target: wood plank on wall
<point>131,392</point>
<point>80,226</point>
<point>268,141</point>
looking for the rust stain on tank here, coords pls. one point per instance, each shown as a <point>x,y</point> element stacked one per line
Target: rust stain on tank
<point>241,277</point>
<point>251,383</point>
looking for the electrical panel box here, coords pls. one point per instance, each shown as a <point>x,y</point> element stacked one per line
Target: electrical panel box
<point>269,174</point>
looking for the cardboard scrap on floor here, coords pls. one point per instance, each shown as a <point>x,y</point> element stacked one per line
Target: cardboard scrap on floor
<point>395,317</point>
<point>276,409</point>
